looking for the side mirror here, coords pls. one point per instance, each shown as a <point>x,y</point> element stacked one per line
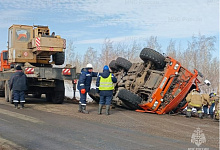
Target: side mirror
<point>5,55</point>
<point>207,82</point>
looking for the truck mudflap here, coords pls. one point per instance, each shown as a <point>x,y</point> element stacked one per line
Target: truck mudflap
<point>51,73</point>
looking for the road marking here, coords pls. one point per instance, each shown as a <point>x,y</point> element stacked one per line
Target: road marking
<point>20,116</point>
<point>4,144</point>
<point>4,120</point>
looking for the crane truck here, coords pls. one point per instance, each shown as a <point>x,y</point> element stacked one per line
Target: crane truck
<point>40,54</point>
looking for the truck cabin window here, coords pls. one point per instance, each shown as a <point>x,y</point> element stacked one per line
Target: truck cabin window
<point>22,35</point>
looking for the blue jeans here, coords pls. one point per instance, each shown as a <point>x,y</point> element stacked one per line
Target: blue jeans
<point>211,109</point>
<point>105,100</point>
<point>19,96</point>
<point>205,109</point>
<point>83,98</point>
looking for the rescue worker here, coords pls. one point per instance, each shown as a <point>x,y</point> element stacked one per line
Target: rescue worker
<point>211,112</point>
<point>216,112</point>
<point>206,104</point>
<point>84,84</point>
<point>194,100</point>
<point>217,105</point>
<point>18,83</point>
<point>105,87</point>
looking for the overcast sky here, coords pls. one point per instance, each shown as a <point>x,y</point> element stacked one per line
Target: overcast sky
<point>89,22</point>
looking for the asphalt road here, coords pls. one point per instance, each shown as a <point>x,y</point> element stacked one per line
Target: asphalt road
<point>44,126</point>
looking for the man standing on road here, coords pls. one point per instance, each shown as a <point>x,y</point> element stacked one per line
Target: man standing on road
<point>211,109</point>
<point>18,83</point>
<point>104,86</point>
<point>195,100</point>
<point>206,104</point>
<point>84,84</point>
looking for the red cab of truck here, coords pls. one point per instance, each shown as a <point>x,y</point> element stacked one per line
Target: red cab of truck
<point>4,65</point>
<point>174,87</point>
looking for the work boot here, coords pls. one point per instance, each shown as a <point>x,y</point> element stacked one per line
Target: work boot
<point>16,105</point>
<point>100,109</point>
<point>188,114</point>
<point>80,108</point>
<point>107,109</point>
<point>200,115</point>
<point>22,105</point>
<point>84,109</point>
<point>211,116</point>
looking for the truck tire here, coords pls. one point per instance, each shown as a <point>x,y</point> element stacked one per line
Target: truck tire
<point>58,97</point>
<point>2,89</point>
<point>155,57</point>
<point>37,95</point>
<point>2,94</point>
<point>49,97</point>
<point>6,91</point>
<point>11,96</point>
<point>130,99</point>
<point>94,95</point>
<point>59,58</point>
<point>123,63</point>
<point>113,66</point>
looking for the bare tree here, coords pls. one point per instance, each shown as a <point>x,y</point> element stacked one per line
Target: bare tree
<point>70,53</point>
<point>129,51</point>
<point>90,57</point>
<point>171,49</point>
<point>153,44</point>
<point>107,53</point>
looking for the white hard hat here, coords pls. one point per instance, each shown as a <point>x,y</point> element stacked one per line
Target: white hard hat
<point>89,66</point>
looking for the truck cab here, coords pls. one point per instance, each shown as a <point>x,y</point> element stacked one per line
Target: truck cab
<point>4,65</point>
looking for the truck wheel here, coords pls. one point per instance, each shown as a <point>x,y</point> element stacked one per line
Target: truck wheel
<point>2,89</point>
<point>2,94</point>
<point>37,95</point>
<point>130,99</point>
<point>94,95</point>
<point>11,97</point>
<point>113,66</point>
<point>6,91</point>
<point>49,97</point>
<point>123,63</point>
<point>59,58</point>
<point>58,97</point>
<point>155,57</point>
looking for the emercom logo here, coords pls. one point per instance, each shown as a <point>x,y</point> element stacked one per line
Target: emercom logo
<point>198,137</point>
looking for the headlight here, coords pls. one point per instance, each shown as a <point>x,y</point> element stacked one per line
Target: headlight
<point>155,104</point>
<point>176,66</point>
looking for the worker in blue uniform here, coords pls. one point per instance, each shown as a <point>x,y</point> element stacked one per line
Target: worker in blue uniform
<point>84,85</point>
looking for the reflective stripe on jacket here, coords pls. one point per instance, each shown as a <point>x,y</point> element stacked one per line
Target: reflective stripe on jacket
<point>194,99</point>
<point>106,83</point>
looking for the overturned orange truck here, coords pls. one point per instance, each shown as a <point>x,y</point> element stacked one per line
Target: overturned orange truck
<point>159,84</point>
